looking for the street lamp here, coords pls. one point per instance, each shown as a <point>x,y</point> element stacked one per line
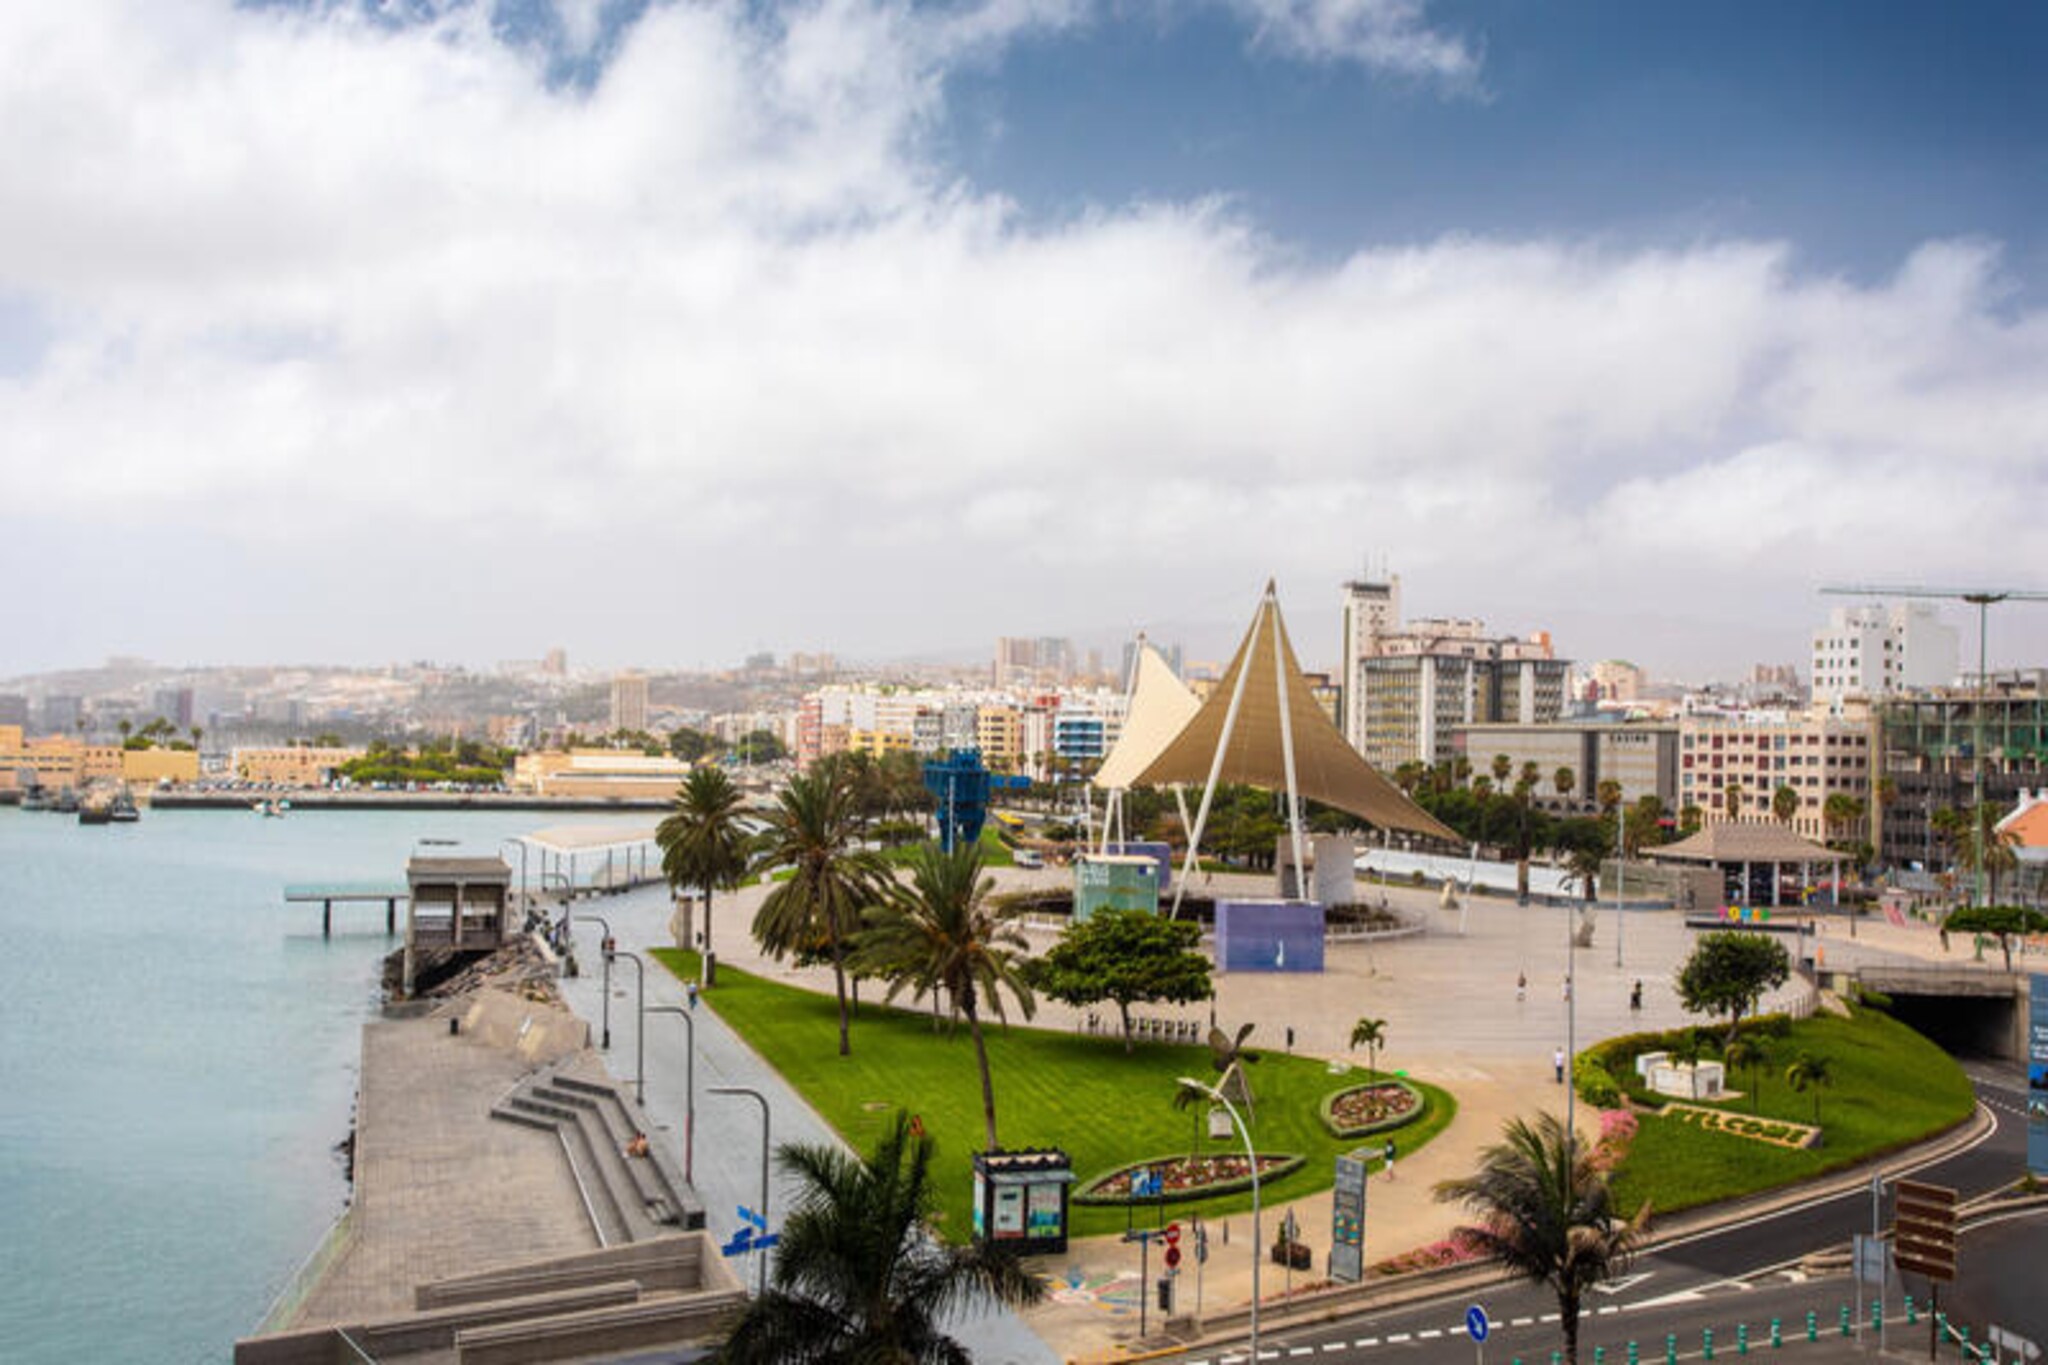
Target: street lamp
<point>604,952</point>
<point>762,1100</point>
<point>640,1027</point>
<point>689,1085</point>
<point>1251,1160</point>
<point>520,840</point>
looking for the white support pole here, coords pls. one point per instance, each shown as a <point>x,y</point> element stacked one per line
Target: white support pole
<point>1287,752</point>
<point>1209,788</point>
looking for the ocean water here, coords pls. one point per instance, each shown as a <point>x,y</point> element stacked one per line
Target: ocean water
<point>178,1055</point>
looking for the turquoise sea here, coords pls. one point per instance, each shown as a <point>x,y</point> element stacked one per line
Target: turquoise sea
<point>178,1053</point>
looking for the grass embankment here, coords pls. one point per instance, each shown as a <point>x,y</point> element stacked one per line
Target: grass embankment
<point>1891,1087</point>
<point>1077,1092</point>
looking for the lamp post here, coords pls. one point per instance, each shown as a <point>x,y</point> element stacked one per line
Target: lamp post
<point>604,952</point>
<point>689,1086</point>
<point>1252,1161</point>
<point>761,1100</point>
<point>640,1026</point>
<point>1620,871</point>
<point>520,840</point>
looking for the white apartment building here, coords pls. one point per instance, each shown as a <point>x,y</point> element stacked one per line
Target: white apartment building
<point>1880,650</point>
<point>629,701</point>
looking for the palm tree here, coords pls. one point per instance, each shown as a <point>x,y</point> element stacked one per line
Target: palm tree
<point>812,830</point>
<point>860,1277</point>
<point>1547,1215</point>
<point>939,933</point>
<point>1809,1072</point>
<point>1608,794</point>
<point>1502,766</point>
<point>1564,779</point>
<point>1744,1053</point>
<point>702,842</point>
<point>1370,1034</point>
<point>1690,818</point>
<point>1784,804</point>
<point>1731,800</point>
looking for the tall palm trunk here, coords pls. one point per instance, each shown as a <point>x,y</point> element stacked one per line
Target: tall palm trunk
<point>988,1089</point>
<point>839,984</point>
<point>1568,1314</point>
<point>707,919</point>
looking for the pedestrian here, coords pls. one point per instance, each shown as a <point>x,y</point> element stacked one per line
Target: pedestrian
<point>1521,987</point>
<point>690,993</point>
<point>1557,1063</point>
<point>1387,1155</point>
<point>1635,996</point>
<point>1290,1037</point>
<point>1567,990</point>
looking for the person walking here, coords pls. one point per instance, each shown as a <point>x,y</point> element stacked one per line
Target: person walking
<point>1387,1155</point>
<point>1557,1064</point>
<point>1635,997</point>
<point>1521,987</point>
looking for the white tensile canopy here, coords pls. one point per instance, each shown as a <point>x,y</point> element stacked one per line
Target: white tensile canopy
<point>1262,726</point>
<point>1158,707</point>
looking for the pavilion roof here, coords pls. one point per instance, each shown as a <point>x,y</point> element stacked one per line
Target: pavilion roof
<point>1744,842</point>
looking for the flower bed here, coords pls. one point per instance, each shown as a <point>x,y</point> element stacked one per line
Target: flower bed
<point>1372,1108</point>
<point>1777,1132</point>
<point>1186,1177</point>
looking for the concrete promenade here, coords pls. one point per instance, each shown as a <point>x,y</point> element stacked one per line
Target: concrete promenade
<point>1454,1017</point>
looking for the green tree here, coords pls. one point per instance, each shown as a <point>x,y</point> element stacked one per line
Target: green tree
<point>1126,957</point>
<point>703,844</point>
<point>1784,804</point>
<point>1608,794</point>
<point>860,1277</point>
<point>1729,972</point>
<point>761,746</point>
<point>1370,1034</point>
<point>1502,766</point>
<point>1545,1214</point>
<point>1987,851</point>
<point>1564,779</point>
<point>1745,1054</point>
<point>1731,800</point>
<point>938,932</point>
<point>2005,922</point>
<point>1808,1072</point>
<point>690,745</point>
<point>1690,818</point>
<point>811,830</point>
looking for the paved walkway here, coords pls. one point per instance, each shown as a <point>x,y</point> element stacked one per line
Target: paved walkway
<point>1453,1013</point>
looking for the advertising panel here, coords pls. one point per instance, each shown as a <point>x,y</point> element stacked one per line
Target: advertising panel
<point>1269,936</point>
<point>1347,1222</point>
<point>1114,882</point>
<point>2037,1073</point>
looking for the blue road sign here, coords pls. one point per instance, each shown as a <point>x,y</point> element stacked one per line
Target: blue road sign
<point>766,1240</point>
<point>1476,1325</point>
<point>746,1240</point>
<point>747,1215</point>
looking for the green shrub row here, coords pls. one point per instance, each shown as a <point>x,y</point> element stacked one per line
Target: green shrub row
<point>1605,1073</point>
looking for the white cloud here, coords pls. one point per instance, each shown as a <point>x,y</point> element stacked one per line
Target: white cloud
<point>381,309</point>
<point>1386,35</point>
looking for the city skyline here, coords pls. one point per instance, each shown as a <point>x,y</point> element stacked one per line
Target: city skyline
<point>668,333</point>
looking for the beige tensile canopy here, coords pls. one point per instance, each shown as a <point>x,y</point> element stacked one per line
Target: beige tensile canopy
<point>1261,726</point>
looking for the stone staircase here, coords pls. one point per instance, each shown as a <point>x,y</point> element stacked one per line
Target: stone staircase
<point>630,1199</point>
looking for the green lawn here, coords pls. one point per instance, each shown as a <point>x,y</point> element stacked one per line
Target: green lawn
<point>1066,1090</point>
<point>1891,1087</point>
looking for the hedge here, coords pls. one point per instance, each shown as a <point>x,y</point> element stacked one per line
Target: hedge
<point>1378,1125</point>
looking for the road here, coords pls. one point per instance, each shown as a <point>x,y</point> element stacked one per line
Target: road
<point>1731,1279</point>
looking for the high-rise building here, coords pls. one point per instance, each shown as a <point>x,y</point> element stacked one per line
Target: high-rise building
<point>1878,651</point>
<point>61,713</point>
<point>555,663</point>
<point>1407,687</point>
<point>629,701</point>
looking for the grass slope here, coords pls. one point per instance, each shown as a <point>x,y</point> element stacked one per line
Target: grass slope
<point>1052,1089</point>
<point>1891,1087</point>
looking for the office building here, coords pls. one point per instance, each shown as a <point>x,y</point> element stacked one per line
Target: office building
<point>1879,651</point>
<point>629,702</point>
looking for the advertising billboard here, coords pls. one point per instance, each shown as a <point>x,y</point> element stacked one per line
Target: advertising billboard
<point>1269,936</point>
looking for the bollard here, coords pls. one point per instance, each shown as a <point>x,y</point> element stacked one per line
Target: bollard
<point>1847,1326</point>
<point>1812,1326</point>
<point>1707,1344</point>
<point>1557,1358</point>
<point>1670,1350</point>
<point>1911,1315</point>
<point>1599,1355</point>
<point>1876,1315</point>
<point>1742,1338</point>
<point>1777,1333</point>
<point>1632,1354</point>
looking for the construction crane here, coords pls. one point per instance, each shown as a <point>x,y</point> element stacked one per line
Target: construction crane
<point>1983,599</point>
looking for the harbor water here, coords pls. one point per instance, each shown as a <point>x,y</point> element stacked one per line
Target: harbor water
<point>179,1064</point>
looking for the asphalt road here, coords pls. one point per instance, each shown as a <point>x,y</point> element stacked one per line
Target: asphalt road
<point>1736,1278</point>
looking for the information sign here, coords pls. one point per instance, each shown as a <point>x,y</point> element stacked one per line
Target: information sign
<point>1347,1222</point>
<point>1476,1325</point>
<point>2037,1073</point>
<point>1924,1229</point>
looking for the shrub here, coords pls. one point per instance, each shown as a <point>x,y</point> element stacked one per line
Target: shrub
<point>1594,1082</point>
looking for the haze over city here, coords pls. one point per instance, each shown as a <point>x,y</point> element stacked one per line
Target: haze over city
<point>348,332</point>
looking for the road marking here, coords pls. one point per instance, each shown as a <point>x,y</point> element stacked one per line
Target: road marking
<point>1394,1337</point>
<point>1548,1317</point>
<point>1610,1308</point>
<point>1301,1350</point>
<point>1331,1347</point>
<point>1623,1284</point>
<point>1364,1342</point>
<point>1521,1322</point>
<point>1431,1335</point>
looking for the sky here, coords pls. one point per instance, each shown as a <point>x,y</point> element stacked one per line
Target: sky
<point>668,332</point>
